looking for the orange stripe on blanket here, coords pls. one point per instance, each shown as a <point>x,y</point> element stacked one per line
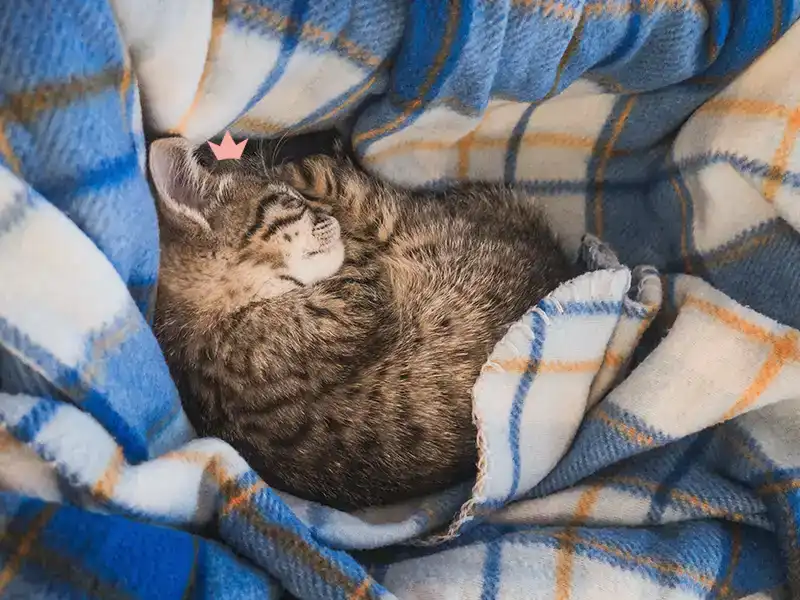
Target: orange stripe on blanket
<point>731,319</point>
<point>357,95</point>
<point>212,464</point>
<point>362,590</point>
<point>6,150</point>
<point>532,139</point>
<point>549,8</point>
<point>678,495</point>
<point>605,156</point>
<point>744,106</point>
<point>465,145</point>
<point>219,18</point>
<point>614,359</point>
<point>628,431</point>
<point>552,138</point>
<point>780,160</point>
<point>605,8</point>
<point>565,563</point>
<point>717,260</point>
<point>25,545</point>
<point>779,487</point>
<point>244,496</point>
<point>188,456</point>
<point>281,23</point>
<point>784,350</point>
<point>257,126</point>
<point>777,21</point>
<point>667,568</point>
<point>687,263</point>
<point>24,107</point>
<point>518,366</point>
<point>104,488</point>
<point>733,562</point>
<point>124,88</point>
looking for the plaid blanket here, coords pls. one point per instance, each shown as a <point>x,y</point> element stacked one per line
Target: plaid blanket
<point>638,427</point>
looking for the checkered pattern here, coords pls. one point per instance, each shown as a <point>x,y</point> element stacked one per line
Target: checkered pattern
<point>638,427</point>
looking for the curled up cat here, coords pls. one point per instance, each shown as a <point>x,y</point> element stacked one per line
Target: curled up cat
<point>331,327</point>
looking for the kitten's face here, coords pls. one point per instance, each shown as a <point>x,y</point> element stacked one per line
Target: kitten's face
<point>232,235</point>
<point>301,239</point>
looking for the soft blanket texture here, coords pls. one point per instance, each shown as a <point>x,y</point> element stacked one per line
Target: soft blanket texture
<point>638,428</point>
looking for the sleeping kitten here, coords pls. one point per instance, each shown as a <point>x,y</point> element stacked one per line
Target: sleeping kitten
<point>330,327</point>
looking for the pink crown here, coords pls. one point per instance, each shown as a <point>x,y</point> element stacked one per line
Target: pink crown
<point>228,149</point>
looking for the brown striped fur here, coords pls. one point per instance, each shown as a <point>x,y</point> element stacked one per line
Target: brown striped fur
<point>348,382</point>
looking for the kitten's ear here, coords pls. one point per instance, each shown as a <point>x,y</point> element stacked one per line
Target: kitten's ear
<point>178,180</point>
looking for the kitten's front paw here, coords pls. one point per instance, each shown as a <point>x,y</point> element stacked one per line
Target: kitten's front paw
<point>314,177</point>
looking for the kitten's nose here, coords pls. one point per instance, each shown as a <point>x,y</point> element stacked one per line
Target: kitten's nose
<point>327,230</point>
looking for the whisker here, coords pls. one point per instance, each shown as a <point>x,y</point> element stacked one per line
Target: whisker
<point>281,141</point>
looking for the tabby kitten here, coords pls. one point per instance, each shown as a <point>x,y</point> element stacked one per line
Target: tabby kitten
<point>330,327</point>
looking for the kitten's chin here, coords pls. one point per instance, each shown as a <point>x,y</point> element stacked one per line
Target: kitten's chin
<point>319,265</point>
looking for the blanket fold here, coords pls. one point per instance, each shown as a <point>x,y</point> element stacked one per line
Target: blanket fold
<point>637,427</point>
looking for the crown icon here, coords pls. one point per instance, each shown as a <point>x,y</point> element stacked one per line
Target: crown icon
<point>228,149</point>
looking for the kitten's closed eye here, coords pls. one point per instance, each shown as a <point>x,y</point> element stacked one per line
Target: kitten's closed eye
<point>293,202</point>
<point>284,223</point>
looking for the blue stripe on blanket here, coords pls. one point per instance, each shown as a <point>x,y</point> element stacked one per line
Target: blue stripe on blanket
<point>144,415</point>
<point>143,396</point>
<point>81,552</point>
<point>674,560</point>
<point>607,436</point>
<point>343,105</point>
<point>631,37</point>
<point>528,72</point>
<point>28,427</point>
<point>538,329</point>
<point>514,141</point>
<point>366,34</point>
<point>492,568</point>
<point>421,67</point>
<point>289,41</point>
<point>755,26</point>
<point>472,79</point>
<point>693,453</point>
<point>641,183</point>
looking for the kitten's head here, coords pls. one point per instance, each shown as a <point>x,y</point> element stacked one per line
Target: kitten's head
<point>232,232</point>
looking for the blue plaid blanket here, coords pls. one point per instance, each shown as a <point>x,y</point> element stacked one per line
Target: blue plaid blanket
<point>638,428</point>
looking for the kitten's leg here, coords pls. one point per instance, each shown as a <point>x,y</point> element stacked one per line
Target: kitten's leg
<point>314,177</point>
<point>364,206</point>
